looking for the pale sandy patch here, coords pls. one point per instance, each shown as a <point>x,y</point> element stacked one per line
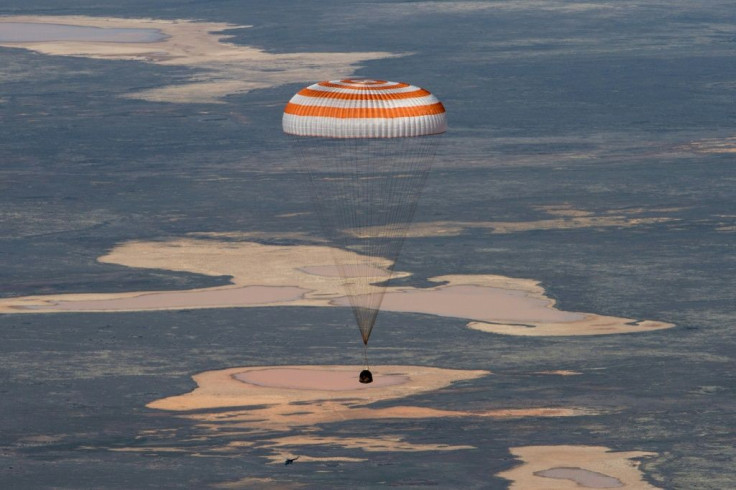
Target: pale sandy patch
<point>303,458</point>
<point>565,217</point>
<point>204,298</point>
<point>479,302</point>
<point>39,440</point>
<point>249,265</point>
<point>300,275</point>
<point>566,210</point>
<point>332,399</point>
<point>293,215</point>
<point>147,449</point>
<point>367,444</point>
<point>222,68</point>
<point>713,145</point>
<point>568,222</point>
<point>640,210</point>
<point>560,372</point>
<point>259,483</point>
<point>269,400</point>
<point>222,389</point>
<point>574,467</point>
<point>589,325</point>
<point>306,416</point>
<point>569,211</point>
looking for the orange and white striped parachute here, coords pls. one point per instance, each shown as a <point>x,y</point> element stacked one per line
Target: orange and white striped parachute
<point>368,146</point>
<point>364,109</point>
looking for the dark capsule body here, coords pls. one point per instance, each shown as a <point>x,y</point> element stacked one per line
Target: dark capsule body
<point>366,377</point>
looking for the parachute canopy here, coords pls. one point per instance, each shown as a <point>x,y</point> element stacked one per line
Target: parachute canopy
<point>364,109</point>
<point>368,146</point>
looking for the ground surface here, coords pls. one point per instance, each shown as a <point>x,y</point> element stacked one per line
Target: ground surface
<point>591,151</point>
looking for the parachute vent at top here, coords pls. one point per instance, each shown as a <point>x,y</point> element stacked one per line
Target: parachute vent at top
<point>364,109</point>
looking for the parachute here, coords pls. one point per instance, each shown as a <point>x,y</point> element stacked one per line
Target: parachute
<point>367,146</point>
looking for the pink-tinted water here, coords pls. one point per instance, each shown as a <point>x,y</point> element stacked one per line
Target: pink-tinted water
<point>243,296</point>
<point>584,478</point>
<point>316,379</point>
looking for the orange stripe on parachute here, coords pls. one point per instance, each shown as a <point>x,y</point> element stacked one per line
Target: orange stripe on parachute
<point>355,87</point>
<point>364,112</point>
<point>308,92</point>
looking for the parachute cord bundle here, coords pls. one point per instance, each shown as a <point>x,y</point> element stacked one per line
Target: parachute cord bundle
<point>365,192</point>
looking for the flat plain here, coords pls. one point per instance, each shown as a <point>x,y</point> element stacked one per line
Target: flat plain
<point>588,173</point>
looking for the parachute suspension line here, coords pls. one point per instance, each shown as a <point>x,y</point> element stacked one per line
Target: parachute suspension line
<point>369,149</point>
<point>403,192</point>
<point>365,192</point>
<point>365,356</point>
<point>392,204</point>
